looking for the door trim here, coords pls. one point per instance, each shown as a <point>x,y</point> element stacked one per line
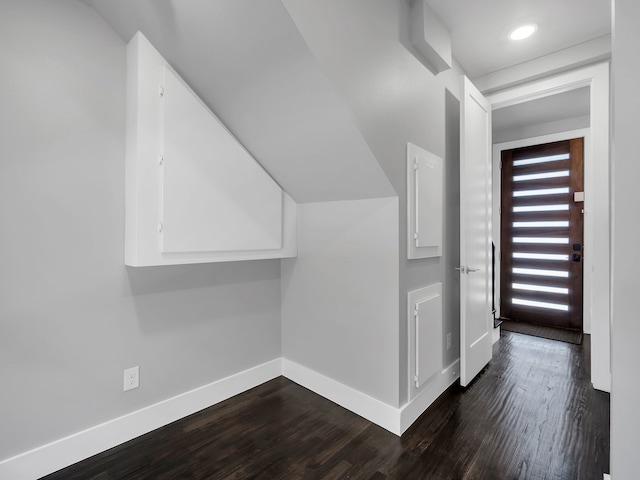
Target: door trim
<point>597,78</point>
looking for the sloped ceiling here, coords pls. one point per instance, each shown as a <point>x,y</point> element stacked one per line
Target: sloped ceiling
<point>249,64</point>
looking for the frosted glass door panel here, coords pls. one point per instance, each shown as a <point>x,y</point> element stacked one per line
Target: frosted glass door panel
<point>215,196</point>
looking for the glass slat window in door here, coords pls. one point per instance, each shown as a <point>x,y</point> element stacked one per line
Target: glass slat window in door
<point>533,161</point>
<point>541,176</point>
<point>537,304</point>
<point>556,224</point>
<point>545,240</point>
<point>541,273</point>
<point>541,208</point>
<point>541,256</point>
<point>542,191</point>
<point>540,288</point>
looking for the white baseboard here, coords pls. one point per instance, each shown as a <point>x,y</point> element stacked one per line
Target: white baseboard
<point>66,451</point>
<point>374,410</point>
<point>410,412</point>
<point>607,476</point>
<point>74,448</point>
<point>602,383</point>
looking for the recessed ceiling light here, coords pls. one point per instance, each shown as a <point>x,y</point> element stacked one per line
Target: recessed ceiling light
<point>523,32</point>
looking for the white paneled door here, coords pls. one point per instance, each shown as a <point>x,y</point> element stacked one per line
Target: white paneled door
<point>476,323</point>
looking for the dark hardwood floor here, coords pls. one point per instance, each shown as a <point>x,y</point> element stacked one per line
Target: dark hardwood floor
<point>532,414</point>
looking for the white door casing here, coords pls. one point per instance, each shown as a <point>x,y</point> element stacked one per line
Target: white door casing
<point>476,324</point>
<point>597,204</point>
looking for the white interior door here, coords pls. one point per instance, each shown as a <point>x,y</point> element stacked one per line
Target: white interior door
<point>476,323</point>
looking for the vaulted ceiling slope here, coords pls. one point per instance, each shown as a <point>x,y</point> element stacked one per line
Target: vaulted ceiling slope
<point>249,64</point>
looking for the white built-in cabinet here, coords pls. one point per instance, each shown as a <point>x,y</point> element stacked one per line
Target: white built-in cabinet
<point>194,194</point>
<point>425,334</point>
<point>425,203</point>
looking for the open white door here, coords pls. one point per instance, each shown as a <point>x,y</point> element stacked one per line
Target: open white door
<point>475,229</point>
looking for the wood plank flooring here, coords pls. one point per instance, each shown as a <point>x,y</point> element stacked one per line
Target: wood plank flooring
<point>532,414</point>
<point>552,333</point>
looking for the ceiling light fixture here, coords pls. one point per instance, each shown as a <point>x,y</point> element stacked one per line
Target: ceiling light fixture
<point>523,32</point>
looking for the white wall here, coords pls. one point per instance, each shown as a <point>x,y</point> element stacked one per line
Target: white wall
<point>625,420</point>
<point>72,316</point>
<point>364,49</point>
<point>538,130</point>
<point>340,296</point>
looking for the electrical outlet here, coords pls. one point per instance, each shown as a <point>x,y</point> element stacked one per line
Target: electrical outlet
<point>131,378</point>
<point>448,341</point>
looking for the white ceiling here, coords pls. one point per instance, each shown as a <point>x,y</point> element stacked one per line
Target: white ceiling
<point>480,29</point>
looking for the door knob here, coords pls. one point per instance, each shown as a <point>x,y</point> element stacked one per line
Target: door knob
<point>469,270</point>
<point>461,269</point>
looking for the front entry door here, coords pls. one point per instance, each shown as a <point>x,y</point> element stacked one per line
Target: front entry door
<point>476,323</point>
<point>542,234</point>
